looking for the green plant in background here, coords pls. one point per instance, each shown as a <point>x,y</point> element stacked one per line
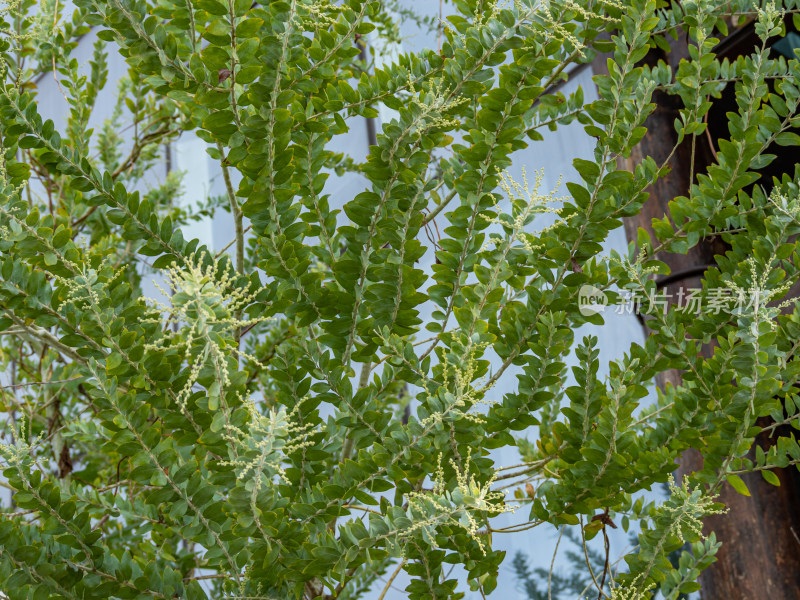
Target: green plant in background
<point>249,436</point>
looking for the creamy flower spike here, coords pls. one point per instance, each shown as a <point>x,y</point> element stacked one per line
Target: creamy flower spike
<point>205,308</point>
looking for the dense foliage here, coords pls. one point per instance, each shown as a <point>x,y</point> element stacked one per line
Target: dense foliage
<point>284,423</point>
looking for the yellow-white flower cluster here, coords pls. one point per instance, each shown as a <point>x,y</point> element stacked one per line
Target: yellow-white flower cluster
<point>554,27</point>
<point>755,299</point>
<point>319,14</point>
<point>205,308</point>
<point>685,511</point>
<point>769,18</point>
<point>532,203</point>
<point>464,396</point>
<point>687,508</point>
<point>784,205</point>
<point>433,103</point>
<point>469,503</point>
<point>635,269</point>
<point>19,450</point>
<point>261,449</point>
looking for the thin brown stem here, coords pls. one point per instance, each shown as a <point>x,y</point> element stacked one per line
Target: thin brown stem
<point>392,578</point>
<point>605,566</point>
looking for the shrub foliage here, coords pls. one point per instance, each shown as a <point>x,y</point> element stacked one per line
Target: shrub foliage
<point>313,409</point>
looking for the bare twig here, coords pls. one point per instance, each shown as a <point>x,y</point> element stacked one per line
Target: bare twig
<point>236,210</point>
<point>439,207</point>
<point>392,578</point>
<point>552,564</point>
<point>364,508</point>
<point>231,243</point>
<point>589,564</point>
<point>19,385</point>
<point>794,533</point>
<point>605,566</point>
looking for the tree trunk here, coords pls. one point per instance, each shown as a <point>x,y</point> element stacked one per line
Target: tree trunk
<point>760,555</point>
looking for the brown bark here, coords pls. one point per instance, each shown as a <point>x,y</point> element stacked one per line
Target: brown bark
<point>760,555</point>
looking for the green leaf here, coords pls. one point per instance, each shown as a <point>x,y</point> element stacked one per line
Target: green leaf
<point>738,484</point>
<point>770,477</point>
<point>787,138</point>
